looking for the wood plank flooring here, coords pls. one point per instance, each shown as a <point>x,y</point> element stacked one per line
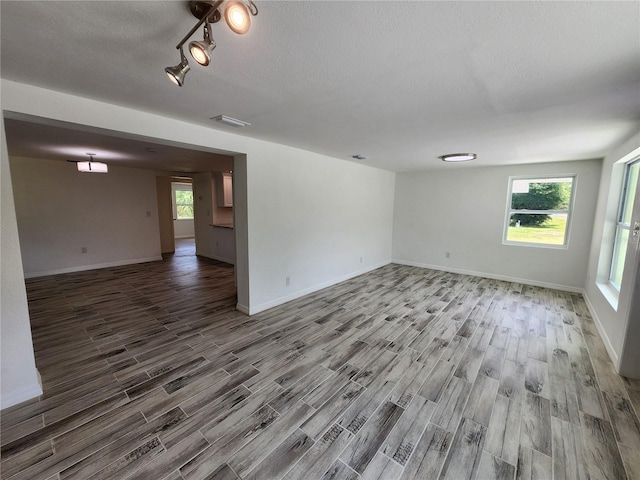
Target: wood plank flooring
<point>402,373</point>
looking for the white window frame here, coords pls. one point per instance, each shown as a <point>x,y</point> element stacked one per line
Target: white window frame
<point>178,186</point>
<point>620,224</point>
<point>568,212</point>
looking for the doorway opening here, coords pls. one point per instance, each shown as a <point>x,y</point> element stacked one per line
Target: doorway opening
<point>185,247</point>
<point>183,211</point>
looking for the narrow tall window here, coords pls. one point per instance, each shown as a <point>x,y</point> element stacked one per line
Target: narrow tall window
<point>539,211</point>
<point>623,222</point>
<point>182,201</point>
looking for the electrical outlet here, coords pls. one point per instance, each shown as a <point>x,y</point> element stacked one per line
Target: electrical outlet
<point>83,250</point>
<point>148,213</point>
<point>287,281</point>
<point>360,259</point>
<point>447,254</point>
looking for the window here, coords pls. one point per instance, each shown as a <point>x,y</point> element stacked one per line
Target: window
<point>539,210</point>
<point>623,222</point>
<point>182,201</point>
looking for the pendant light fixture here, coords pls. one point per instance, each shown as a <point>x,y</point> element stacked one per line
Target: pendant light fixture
<point>91,166</point>
<point>237,14</point>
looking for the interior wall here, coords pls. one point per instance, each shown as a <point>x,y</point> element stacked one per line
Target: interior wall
<point>183,228</point>
<point>463,211</point>
<point>314,221</point>
<point>61,211</point>
<point>18,375</point>
<point>241,231</point>
<point>165,214</point>
<point>617,326</point>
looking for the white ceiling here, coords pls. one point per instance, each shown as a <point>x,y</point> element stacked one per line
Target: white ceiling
<point>400,82</point>
<point>33,138</point>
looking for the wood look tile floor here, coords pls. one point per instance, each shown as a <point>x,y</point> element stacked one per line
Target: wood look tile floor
<point>402,373</point>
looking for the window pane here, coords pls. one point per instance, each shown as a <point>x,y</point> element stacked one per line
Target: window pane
<point>619,253</point>
<point>541,194</point>
<point>184,211</point>
<point>184,197</point>
<point>630,193</point>
<point>543,229</point>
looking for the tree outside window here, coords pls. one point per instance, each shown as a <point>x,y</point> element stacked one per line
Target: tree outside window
<point>539,210</point>
<point>182,201</point>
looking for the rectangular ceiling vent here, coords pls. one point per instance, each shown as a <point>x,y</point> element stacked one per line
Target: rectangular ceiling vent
<point>232,122</point>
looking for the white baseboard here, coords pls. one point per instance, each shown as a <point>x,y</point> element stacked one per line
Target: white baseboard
<point>95,266</point>
<point>242,308</point>
<point>182,237</point>
<point>306,291</point>
<point>603,334</point>
<point>9,399</point>
<point>493,276</point>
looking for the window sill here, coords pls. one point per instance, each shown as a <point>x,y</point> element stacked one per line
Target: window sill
<point>610,293</point>
<point>536,245</point>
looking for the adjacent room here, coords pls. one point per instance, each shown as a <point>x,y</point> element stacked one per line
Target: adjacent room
<point>320,240</point>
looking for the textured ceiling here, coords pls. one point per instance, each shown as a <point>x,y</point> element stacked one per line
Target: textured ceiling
<point>400,82</point>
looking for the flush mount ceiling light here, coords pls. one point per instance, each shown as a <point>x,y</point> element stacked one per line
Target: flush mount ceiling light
<point>358,156</point>
<point>457,157</point>
<point>237,14</point>
<point>91,166</point>
<point>232,122</point>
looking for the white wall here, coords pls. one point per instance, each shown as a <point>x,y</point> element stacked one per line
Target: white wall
<point>183,228</point>
<point>619,327</point>
<point>60,211</point>
<point>314,219</point>
<point>19,377</point>
<point>462,211</point>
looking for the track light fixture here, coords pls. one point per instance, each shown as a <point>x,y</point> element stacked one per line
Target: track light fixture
<point>176,74</point>
<point>201,50</point>
<point>237,14</point>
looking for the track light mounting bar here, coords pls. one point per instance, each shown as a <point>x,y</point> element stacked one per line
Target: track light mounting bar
<point>204,18</point>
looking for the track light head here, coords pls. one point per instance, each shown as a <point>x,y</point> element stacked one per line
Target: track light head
<point>176,74</point>
<point>237,17</point>
<point>201,50</point>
